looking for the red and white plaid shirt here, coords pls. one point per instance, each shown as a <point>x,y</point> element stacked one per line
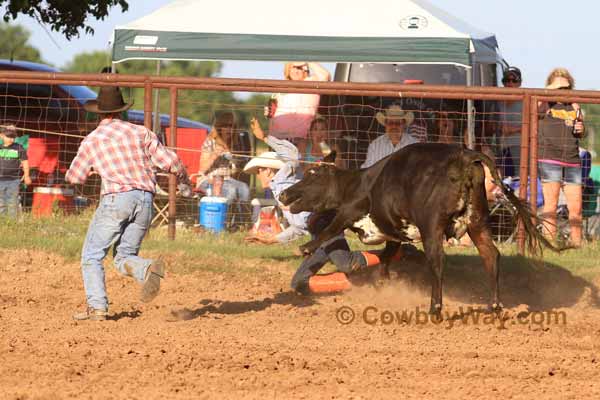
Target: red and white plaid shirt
<point>125,156</point>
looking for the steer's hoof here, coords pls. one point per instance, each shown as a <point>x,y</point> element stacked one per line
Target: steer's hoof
<point>379,282</point>
<point>305,252</point>
<point>384,273</point>
<point>436,312</point>
<point>495,307</point>
<point>306,249</point>
<point>436,317</point>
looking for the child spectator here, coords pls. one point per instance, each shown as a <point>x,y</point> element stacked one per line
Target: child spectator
<point>12,157</point>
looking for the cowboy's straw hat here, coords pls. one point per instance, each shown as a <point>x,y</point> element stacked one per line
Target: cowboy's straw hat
<point>110,100</point>
<point>395,112</point>
<point>268,159</point>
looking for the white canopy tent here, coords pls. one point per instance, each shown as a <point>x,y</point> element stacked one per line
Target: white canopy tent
<point>376,31</point>
<point>312,30</point>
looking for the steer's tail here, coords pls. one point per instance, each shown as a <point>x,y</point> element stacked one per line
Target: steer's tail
<point>535,240</point>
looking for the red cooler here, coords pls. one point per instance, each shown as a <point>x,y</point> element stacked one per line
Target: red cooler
<point>46,199</point>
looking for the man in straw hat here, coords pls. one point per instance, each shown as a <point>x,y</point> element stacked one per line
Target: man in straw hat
<point>396,122</point>
<point>125,156</point>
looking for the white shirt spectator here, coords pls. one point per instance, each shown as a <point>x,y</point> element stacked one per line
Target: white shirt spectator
<point>383,147</point>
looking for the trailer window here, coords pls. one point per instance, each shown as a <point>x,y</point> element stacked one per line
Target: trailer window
<point>430,74</point>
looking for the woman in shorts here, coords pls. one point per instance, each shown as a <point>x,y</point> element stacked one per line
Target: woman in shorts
<point>560,128</point>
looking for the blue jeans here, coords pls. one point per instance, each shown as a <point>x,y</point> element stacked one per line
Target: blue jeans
<point>335,250</point>
<point>121,219</point>
<point>9,197</point>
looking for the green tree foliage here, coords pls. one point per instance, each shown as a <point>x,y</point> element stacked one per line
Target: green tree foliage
<point>15,44</point>
<point>197,105</point>
<point>88,62</point>
<point>66,17</point>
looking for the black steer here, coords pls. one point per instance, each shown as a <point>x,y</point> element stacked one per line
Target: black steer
<point>437,188</point>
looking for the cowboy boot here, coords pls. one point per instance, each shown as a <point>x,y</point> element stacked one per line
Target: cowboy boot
<point>91,314</point>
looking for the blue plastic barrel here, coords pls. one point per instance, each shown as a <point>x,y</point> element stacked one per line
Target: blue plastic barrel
<point>213,213</point>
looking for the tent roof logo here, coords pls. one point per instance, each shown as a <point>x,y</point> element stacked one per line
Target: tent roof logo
<point>414,22</point>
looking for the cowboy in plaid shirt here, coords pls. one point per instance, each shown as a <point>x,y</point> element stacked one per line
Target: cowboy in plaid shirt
<point>125,156</point>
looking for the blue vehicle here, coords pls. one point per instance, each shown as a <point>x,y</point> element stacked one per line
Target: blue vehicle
<point>26,104</point>
<point>54,120</point>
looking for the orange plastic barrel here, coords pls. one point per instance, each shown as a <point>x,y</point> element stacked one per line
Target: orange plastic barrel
<point>47,199</point>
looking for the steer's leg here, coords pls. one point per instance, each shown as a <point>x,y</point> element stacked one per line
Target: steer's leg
<point>482,238</point>
<point>391,248</point>
<point>434,254</point>
<point>341,221</point>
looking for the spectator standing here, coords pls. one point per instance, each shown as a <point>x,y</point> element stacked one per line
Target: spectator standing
<point>294,112</point>
<point>559,163</point>
<point>509,124</point>
<point>125,156</point>
<point>13,157</point>
<point>396,122</point>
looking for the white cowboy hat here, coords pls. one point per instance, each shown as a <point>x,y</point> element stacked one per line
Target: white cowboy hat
<point>395,112</point>
<point>268,159</point>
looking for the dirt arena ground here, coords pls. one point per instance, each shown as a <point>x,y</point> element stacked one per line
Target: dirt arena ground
<point>214,335</point>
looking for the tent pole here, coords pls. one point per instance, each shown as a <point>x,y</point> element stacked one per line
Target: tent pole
<point>470,113</point>
<point>156,121</point>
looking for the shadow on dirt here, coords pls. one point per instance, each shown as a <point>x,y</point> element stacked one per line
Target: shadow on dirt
<point>542,286</point>
<point>125,314</point>
<point>240,307</point>
<point>285,258</point>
